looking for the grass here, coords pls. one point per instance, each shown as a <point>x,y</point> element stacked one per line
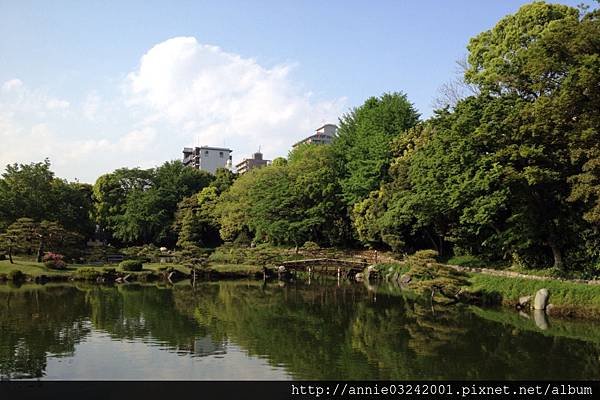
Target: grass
<point>580,330</point>
<point>570,298</point>
<point>32,268</point>
<point>236,268</point>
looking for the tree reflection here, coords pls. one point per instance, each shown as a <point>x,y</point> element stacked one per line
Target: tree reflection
<point>36,321</point>
<point>316,332</point>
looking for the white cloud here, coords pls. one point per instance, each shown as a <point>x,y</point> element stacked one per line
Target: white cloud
<point>218,98</point>
<point>91,106</point>
<point>11,85</point>
<point>34,126</point>
<point>57,104</point>
<point>182,93</point>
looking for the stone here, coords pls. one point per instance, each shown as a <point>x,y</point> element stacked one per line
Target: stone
<point>359,277</point>
<point>405,279</point>
<point>523,301</point>
<point>541,299</point>
<point>540,318</point>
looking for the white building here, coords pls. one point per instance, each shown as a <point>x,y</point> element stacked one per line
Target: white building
<point>323,135</point>
<point>207,158</point>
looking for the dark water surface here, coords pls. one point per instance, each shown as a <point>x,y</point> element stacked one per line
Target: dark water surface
<point>246,330</point>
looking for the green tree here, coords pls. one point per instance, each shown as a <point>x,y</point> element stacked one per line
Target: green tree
<point>138,206</point>
<point>363,143</point>
<point>196,220</point>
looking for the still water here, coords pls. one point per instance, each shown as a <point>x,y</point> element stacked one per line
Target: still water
<point>247,330</point>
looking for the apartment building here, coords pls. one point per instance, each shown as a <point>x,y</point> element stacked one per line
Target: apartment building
<point>323,135</point>
<point>207,158</point>
<point>256,161</point>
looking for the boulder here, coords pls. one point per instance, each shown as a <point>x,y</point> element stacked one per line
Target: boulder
<point>540,318</point>
<point>359,276</point>
<point>524,301</point>
<point>405,279</point>
<point>541,299</point>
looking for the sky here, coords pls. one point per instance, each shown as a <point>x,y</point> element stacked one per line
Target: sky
<point>99,85</point>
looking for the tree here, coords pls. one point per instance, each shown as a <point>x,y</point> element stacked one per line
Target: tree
<point>196,220</point>
<point>26,191</point>
<point>362,145</point>
<point>32,191</point>
<point>27,236</point>
<point>138,206</point>
<point>224,178</point>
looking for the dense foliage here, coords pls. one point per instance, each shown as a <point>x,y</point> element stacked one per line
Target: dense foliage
<point>510,174</point>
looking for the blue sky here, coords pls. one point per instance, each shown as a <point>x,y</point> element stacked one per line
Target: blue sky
<point>74,79</point>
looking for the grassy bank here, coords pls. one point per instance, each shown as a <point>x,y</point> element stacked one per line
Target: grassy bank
<point>33,271</point>
<point>485,287</point>
<point>568,298</point>
<point>567,328</point>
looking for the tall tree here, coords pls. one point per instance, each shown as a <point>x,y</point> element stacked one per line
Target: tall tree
<point>363,143</point>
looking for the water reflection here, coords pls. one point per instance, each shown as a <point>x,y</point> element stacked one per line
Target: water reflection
<point>248,330</point>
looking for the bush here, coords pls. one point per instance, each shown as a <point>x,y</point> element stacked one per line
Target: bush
<point>131,265</point>
<point>146,253</point>
<point>89,274</point>
<point>54,261</point>
<point>423,256</point>
<point>16,276</point>
<point>311,246</point>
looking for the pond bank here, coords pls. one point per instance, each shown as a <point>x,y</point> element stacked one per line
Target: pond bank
<point>573,299</point>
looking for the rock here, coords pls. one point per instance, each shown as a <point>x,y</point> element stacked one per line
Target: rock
<point>405,279</point>
<point>540,318</point>
<point>549,307</point>
<point>359,276</point>
<point>281,269</point>
<point>163,249</point>
<point>524,315</point>
<point>541,299</point>
<point>523,301</point>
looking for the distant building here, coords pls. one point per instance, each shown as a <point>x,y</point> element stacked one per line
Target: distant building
<point>323,135</point>
<point>250,163</point>
<point>207,158</point>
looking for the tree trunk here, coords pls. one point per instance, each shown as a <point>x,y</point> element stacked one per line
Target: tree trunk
<point>10,254</point>
<point>557,254</point>
<point>40,252</point>
<point>435,245</point>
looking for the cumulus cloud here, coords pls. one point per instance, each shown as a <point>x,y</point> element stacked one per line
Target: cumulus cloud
<point>182,93</point>
<point>11,85</point>
<point>214,97</point>
<point>57,104</point>
<point>33,126</point>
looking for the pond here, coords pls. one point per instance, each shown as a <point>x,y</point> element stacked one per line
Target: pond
<point>248,330</point>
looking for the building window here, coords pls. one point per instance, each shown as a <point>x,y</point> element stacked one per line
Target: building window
<point>221,154</point>
<point>206,152</point>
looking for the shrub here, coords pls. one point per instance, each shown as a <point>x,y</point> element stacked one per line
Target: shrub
<point>89,274</point>
<point>131,265</point>
<point>54,261</point>
<point>146,253</point>
<point>16,275</point>
<point>311,246</point>
<point>423,256</point>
